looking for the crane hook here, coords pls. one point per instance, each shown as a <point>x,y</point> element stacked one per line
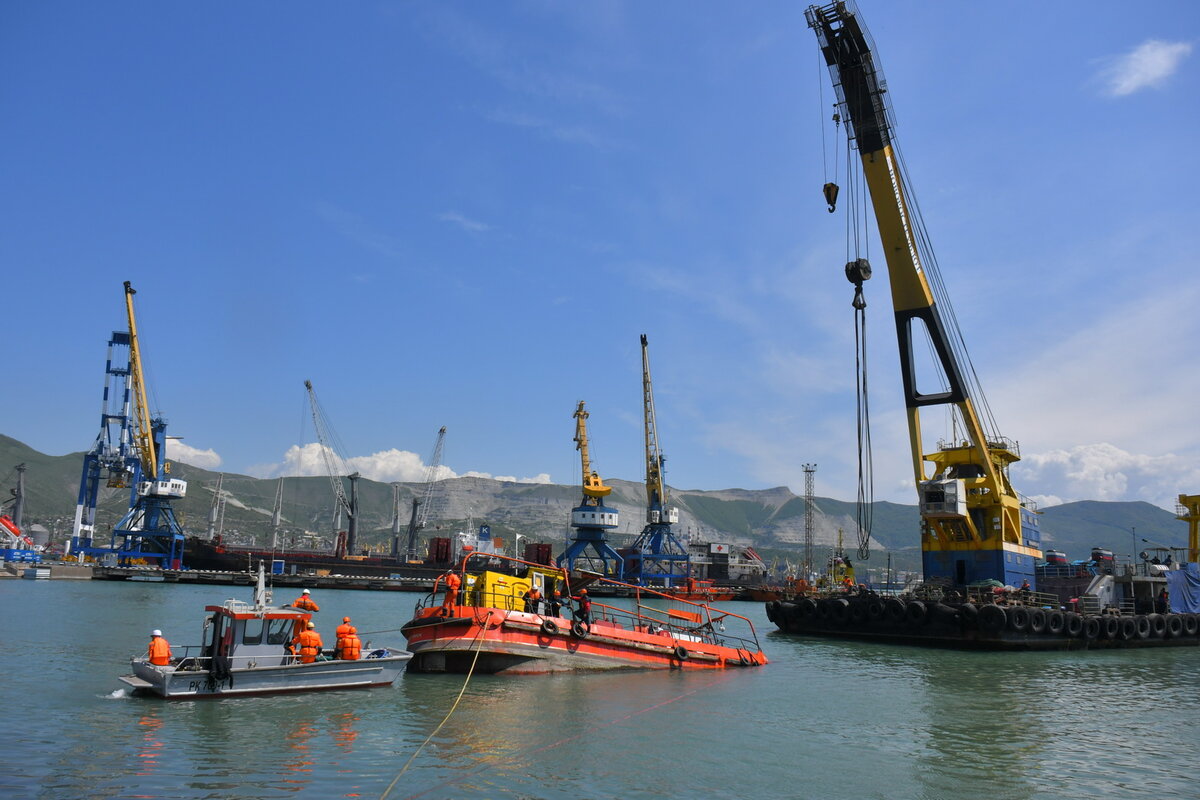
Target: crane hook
<point>858,271</point>
<point>831,193</point>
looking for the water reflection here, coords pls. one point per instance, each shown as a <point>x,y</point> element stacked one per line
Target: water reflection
<point>150,747</point>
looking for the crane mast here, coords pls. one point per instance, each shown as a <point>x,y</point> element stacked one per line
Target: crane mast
<point>334,470</point>
<point>420,505</point>
<point>591,519</point>
<point>974,525</point>
<point>593,486</point>
<point>657,557</point>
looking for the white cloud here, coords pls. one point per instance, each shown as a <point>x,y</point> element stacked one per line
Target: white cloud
<point>463,222</point>
<point>1146,66</point>
<point>1103,471</point>
<point>387,466</point>
<point>204,459</point>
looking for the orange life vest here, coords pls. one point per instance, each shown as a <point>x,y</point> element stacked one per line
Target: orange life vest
<point>159,652</point>
<point>345,629</point>
<point>350,647</point>
<point>310,646</point>
<point>305,602</point>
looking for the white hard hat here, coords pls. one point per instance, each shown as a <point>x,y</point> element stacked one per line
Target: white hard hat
<point>156,632</point>
<point>306,591</point>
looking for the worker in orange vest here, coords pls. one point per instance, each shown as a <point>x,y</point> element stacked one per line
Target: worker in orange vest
<point>159,651</point>
<point>310,644</point>
<point>305,602</point>
<point>451,598</point>
<point>349,647</point>
<point>533,601</point>
<point>343,630</point>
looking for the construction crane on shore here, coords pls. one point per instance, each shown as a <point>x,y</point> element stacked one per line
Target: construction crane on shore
<point>334,467</point>
<point>130,452</point>
<point>657,557</point>
<point>591,519</point>
<point>420,503</point>
<point>1188,510</point>
<point>974,525</point>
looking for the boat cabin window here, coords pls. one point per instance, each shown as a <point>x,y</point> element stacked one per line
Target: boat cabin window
<point>279,631</point>
<point>252,633</point>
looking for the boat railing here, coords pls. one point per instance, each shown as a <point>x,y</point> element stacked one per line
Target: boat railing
<point>191,658</point>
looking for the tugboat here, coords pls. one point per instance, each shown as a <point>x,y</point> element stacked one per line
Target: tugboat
<point>492,626</point>
<point>247,650</point>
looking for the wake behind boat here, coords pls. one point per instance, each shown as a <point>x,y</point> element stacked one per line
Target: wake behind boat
<point>504,623</point>
<point>247,649</point>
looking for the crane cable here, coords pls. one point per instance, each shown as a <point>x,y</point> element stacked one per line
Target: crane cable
<point>480,639</point>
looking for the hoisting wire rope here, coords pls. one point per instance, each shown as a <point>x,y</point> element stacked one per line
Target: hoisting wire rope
<point>480,638</point>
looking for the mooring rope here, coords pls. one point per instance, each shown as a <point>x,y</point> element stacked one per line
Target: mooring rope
<point>567,740</point>
<point>480,638</point>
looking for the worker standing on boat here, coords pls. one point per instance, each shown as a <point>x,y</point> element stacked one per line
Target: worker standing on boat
<point>451,598</point>
<point>310,644</point>
<point>533,601</point>
<point>305,602</point>
<point>556,601</point>
<point>349,647</point>
<point>159,651</point>
<point>344,630</point>
<point>583,609</point>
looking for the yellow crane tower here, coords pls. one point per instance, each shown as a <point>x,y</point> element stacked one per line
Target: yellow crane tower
<point>591,519</point>
<point>1188,510</point>
<point>974,525</point>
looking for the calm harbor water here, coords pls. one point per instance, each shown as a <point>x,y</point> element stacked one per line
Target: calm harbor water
<point>823,720</point>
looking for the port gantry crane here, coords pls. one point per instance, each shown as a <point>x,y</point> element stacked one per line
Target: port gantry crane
<point>420,503</point>
<point>591,519</point>
<point>130,452</point>
<point>974,525</point>
<point>657,557</point>
<point>333,467</point>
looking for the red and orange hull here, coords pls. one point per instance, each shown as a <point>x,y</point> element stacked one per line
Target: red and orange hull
<point>497,641</point>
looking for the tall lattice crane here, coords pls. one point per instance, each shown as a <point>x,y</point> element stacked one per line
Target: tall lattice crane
<point>657,556</point>
<point>420,503</point>
<point>974,525</point>
<point>334,467</point>
<point>130,453</point>
<point>591,519</point>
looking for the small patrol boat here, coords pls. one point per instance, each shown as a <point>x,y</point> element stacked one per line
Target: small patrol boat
<point>491,627</point>
<point>247,650</point>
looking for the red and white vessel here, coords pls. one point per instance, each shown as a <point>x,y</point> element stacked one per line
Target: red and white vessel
<point>491,627</point>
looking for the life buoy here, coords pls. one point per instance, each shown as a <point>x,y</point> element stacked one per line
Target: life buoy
<point>578,631</point>
<point>1191,624</point>
<point>1174,626</point>
<point>1091,628</point>
<point>681,652</point>
<point>1158,625</point>
<point>549,627</point>
<point>992,618</point>
<point>1056,622</point>
<point>1143,628</point>
<point>1073,624</point>
<point>915,612</point>
<point>1018,619</point>
<point>1110,627</point>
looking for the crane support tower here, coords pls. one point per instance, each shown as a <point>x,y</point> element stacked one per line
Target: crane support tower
<point>420,503</point>
<point>130,452</point>
<point>334,468</point>
<point>657,557</point>
<point>810,503</point>
<point>591,519</point>
<point>974,525</point>
<point>1188,510</point>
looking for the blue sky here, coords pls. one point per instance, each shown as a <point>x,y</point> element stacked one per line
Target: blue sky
<point>465,213</point>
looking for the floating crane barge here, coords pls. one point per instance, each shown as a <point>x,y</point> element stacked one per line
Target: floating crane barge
<point>979,537</point>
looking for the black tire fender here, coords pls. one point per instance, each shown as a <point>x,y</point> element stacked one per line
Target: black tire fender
<point>916,612</point>
<point>1173,625</point>
<point>808,608</point>
<point>1018,618</point>
<point>549,627</point>
<point>1143,627</point>
<point>1091,628</point>
<point>1191,624</point>
<point>578,631</point>
<point>681,652</point>
<point>1110,626</point>
<point>1074,624</point>
<point>1056,623</point>
<point>992,618</point>
<point>1158,625</point>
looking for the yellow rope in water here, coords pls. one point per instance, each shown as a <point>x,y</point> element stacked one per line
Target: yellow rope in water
<point>480,638</point>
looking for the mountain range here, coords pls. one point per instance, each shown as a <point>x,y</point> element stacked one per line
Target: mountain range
<point>770,520</point>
